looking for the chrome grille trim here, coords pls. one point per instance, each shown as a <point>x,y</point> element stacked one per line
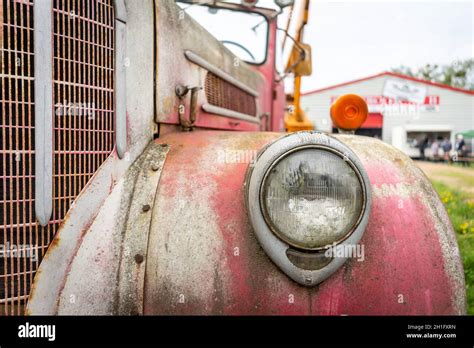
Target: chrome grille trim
<point>43,36</point>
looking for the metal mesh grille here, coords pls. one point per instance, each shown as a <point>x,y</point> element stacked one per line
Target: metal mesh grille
<point>225,95</point>
<point>83,125</point>
<point>17,222</point>
<point>83,95</point>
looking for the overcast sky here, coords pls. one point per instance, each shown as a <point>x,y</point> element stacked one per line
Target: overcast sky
<point>354,39</point>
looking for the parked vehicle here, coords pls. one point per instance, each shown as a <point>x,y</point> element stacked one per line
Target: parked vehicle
<point>147,161</point>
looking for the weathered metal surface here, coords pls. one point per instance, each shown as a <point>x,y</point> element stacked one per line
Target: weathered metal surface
<point>131,274</point>
<point>120,87</point>
<point>43,101</point>
<point>177,33</point>
<point>230,113</point>
<point>193,57</point>
<point>47,159</point>
<point>120,10</point>
<point>101,270</point>
<point>203,257</point>
<point>222,93</point>
<point>49,281</point>
<point>411,250</point>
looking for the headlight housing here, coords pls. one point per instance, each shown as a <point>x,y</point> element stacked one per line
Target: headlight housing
<point>305,193</point>
<point>312,197</point>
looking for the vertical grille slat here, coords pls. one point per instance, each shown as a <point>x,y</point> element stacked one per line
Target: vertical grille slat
<point>223,94</point>
<point>83,124</point>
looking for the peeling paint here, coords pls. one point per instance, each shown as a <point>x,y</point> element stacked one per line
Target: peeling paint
<point>411,267</point>
<point>202,208</point>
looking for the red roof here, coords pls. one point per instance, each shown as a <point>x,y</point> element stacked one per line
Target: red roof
<point>388,73</point>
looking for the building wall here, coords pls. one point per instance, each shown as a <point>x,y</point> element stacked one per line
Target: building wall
<point>456,109</point>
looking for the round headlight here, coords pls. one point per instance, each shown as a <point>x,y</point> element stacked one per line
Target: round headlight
<point>307,192</point>
<point>312,197</point>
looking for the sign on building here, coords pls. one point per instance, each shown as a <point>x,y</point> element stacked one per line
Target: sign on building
<point>402,90</point>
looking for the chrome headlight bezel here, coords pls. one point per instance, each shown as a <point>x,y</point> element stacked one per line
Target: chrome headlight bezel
<point>276,245</point>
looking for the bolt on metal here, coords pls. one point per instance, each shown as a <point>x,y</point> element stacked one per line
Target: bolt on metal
<point>138,258</point>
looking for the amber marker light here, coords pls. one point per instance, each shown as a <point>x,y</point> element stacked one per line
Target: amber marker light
<point>349,112</point>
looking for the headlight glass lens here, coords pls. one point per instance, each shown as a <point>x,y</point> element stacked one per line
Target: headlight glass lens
<point>311,198</point>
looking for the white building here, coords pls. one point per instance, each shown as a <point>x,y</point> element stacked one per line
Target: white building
<point>402,110</point>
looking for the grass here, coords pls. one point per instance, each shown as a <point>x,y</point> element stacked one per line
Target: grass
<point>460,208</point>
<point>465,177</point>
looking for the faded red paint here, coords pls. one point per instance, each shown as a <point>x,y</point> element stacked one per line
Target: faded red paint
<point>403,258</point>
<point>249,295</point>
<point>398,248</point>
<point>403,254</point>
<point>403,263</point>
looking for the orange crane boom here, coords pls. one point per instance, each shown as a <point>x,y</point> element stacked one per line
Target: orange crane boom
<point>297,56</point>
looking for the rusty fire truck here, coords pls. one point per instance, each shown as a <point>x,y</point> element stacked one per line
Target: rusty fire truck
<point>143,159</point>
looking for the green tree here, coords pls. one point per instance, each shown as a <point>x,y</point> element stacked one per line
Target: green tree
<point>460,73</point>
